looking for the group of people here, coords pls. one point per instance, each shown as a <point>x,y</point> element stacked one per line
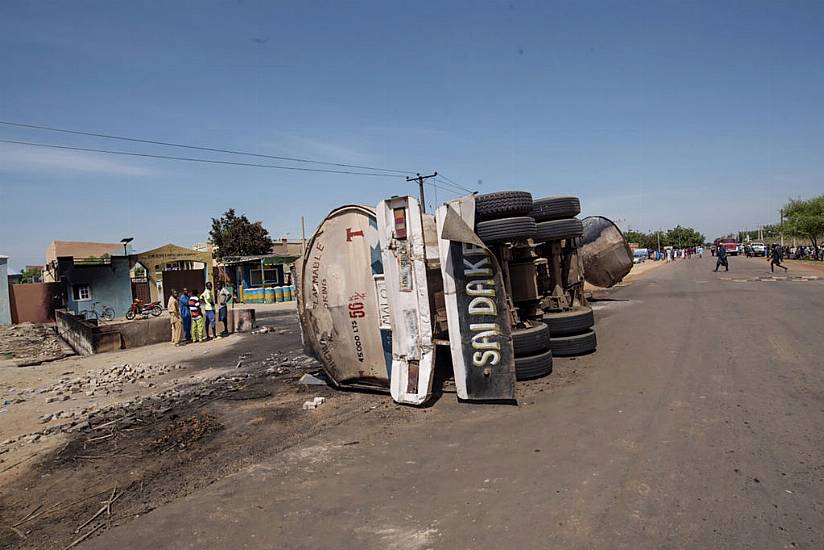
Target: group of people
<point>774,253</point>
<point>672,254</point>
<point>192,313</point>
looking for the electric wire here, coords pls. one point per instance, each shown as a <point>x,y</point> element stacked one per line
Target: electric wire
<point>450,180</point>
<point>193,159</point>
<point>197,148</point>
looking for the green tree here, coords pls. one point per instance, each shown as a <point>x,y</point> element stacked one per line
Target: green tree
<point>32,275</point>
<point>805,219</point>
<point>633,236</point>
<point>234,235</point>
<point>684,237</point>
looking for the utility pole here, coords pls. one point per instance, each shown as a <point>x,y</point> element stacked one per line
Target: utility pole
<point>781,225</point>
<point>419,178</point>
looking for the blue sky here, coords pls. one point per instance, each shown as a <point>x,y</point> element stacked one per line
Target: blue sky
<point>706,114</point>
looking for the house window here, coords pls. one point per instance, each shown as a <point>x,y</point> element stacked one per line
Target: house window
<point>81,292</point>
<point>260,277</point>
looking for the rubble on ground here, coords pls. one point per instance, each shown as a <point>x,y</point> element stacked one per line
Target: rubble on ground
<point>147,407</point>
<point>30,344</point>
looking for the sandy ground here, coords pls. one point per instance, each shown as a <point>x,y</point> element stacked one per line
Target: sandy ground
<point>240,403</point>
<point>681,431</point>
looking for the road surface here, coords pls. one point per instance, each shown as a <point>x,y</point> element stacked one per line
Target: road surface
<point>698,423</point>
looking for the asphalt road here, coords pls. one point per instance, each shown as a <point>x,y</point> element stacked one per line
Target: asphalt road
<point>698,423</point>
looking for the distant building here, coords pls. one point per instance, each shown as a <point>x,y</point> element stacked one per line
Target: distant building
<point>81,250</point>
<point>5,307</point>
<point>91,272</point>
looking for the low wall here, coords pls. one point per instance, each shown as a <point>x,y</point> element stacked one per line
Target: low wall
<point>143,332</point>
<point>87,338</point>
<point>34,302</point>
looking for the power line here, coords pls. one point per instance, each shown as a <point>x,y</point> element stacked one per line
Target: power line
<point>452,186</point>
<point>450,180</point>
<point>196,147</point>
<point>192,159</point>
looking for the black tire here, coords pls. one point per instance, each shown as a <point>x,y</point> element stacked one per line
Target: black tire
<point>555,230</point>
<point>502,204</point>
<point>555,208</point>
<point>578,344</point>
<point>506,229</point>
<point>533,366</point>
<point>529,341</point>
<point>574,321</point>
<point>108,314</point>
<point>130,314</point>
<point>157,310</point>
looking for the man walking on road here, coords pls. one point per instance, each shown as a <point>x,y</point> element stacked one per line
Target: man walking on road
<point>207,301</point>
<point>186,315</point>
<point>173,307</point>
<point>775,258</point>
<point>722,259</point>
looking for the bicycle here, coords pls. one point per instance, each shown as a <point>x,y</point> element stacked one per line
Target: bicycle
<point>106,313</point>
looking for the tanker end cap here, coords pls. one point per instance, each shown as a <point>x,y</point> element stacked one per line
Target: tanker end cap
<point>605,253</point>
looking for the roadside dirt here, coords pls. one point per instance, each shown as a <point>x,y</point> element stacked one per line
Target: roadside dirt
<point>28,343</point>
<point>149,445</point>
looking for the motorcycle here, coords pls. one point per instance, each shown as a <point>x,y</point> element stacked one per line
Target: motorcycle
<point>140,308</point>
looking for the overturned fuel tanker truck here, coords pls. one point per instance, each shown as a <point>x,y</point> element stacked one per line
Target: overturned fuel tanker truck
<point>496,279</point>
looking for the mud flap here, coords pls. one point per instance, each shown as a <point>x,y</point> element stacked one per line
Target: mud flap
<point>480,338</point>
<point>341,301</point>
<point>401,234</point>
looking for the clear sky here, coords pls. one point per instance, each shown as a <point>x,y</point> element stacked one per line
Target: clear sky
<point>707,114</point>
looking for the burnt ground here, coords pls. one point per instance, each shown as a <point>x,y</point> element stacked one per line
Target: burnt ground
<point>156,449</point>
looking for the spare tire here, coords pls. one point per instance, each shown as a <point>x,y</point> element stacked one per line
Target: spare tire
<point>555,208</point>
<point>506,229</point>
<point>577,344</point>
<point>502,204</point>
<point>555,230</point>
<point>533,366</point>
<point>605,253</point>
<point>575,321</point>
<point>528,341</point>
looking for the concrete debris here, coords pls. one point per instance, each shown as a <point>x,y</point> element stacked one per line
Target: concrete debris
<point>313,403</point>
<point>311,380</point>
<point>29,344</point>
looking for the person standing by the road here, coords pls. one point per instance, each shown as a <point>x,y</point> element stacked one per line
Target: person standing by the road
<point>197,318</point>
<point>224,297</point>
<point>173,307</point>
<point>207,302</point>
<point>775,258</point>
<point>186,315</point>
<point>721,253</point>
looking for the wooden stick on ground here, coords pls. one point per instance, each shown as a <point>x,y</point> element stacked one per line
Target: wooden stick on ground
<point>106,506</point>
<point>84,537</point>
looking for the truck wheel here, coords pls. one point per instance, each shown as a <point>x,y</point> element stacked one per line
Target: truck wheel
<point>577,344</point>
<point>533,366</point>
<point>574,321</point>
<point>555,208</point>
<point>555,230</point>
<point>502,204</point>
<point>528,341</point>
<point>506,229</point>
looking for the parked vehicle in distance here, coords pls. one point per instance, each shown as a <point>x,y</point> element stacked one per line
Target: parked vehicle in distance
<point>139,307</point>
<point>758,249</point>
<point>106,313</point>
<point>731,246</point>
<point>640,255</point>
